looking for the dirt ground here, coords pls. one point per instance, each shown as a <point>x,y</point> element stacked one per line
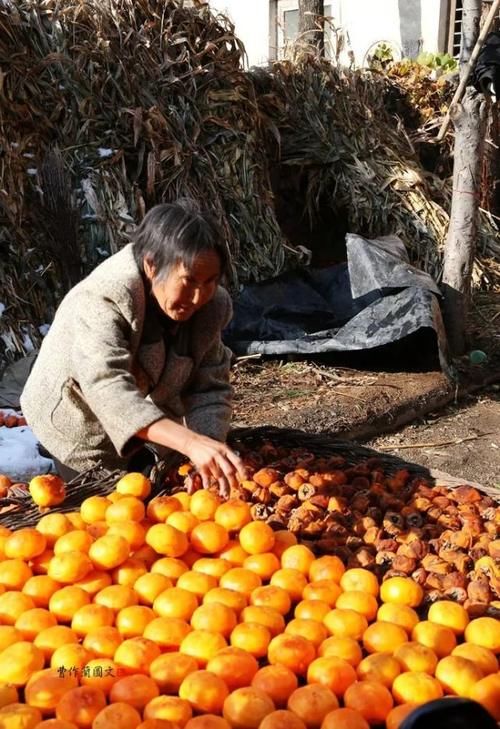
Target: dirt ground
<point>419,413</point>
<point>463,439</point>
<point>422,416</point>
<point>318,398</point>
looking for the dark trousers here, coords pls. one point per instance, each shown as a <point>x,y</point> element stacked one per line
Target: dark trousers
<point>67,474</point>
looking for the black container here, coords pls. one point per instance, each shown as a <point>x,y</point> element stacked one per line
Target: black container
<point>450,713</point>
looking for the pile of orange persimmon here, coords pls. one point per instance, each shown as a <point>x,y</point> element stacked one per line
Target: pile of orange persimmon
<point>183,612</point>
<point>11,419</point>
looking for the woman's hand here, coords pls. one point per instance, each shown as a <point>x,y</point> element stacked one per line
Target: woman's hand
<point>214,461</point>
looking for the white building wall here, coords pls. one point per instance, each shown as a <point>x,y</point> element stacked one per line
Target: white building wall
<point>368,23</point>
<point>252,22</point>
<point>432,13</point>
<point>407,25</point>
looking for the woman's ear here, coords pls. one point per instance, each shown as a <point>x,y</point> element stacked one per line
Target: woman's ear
<point>149,269</point>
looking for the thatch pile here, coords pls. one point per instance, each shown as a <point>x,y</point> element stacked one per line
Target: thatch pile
<point>107,107</point>
<point>335,125</point>
<point>429,95</point>
<point>110,106</point>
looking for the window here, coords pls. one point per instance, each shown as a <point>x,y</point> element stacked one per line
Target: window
<point>455,36</point>
<point>290,25</point>
<point>287,22</point>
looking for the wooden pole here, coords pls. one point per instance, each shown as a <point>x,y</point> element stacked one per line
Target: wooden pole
<point>467,69</point>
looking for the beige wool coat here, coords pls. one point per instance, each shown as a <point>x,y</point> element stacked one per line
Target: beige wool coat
<point>104,371</point>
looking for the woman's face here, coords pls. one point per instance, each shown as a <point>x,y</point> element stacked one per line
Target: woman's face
<point>186,289</point>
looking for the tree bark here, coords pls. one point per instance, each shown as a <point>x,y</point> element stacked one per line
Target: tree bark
<point>469,120</point>
<point>312,26</point>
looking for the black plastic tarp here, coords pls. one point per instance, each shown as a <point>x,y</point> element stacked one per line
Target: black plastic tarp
<point>374,299</point>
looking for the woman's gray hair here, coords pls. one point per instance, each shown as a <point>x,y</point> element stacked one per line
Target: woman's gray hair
<point>173,233</point>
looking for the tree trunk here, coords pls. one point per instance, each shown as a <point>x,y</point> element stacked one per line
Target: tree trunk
<point>469,120</point>
<point>312,25</point>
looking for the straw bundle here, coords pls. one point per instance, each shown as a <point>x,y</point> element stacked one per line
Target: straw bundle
<point>334,124</point>
<point>108,107</point>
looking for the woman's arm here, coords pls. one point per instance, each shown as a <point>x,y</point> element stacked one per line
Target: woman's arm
<point>212,459</point>
<point>102,364</point>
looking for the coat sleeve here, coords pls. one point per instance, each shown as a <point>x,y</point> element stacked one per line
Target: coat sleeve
<point>102,361</point>
<point>208,402</point>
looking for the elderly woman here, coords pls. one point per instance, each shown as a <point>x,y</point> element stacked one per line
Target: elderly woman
<point>134,355</point>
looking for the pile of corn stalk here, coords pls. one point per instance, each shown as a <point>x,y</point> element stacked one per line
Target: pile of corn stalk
<point>108,107</point>
<point>336,126</point>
